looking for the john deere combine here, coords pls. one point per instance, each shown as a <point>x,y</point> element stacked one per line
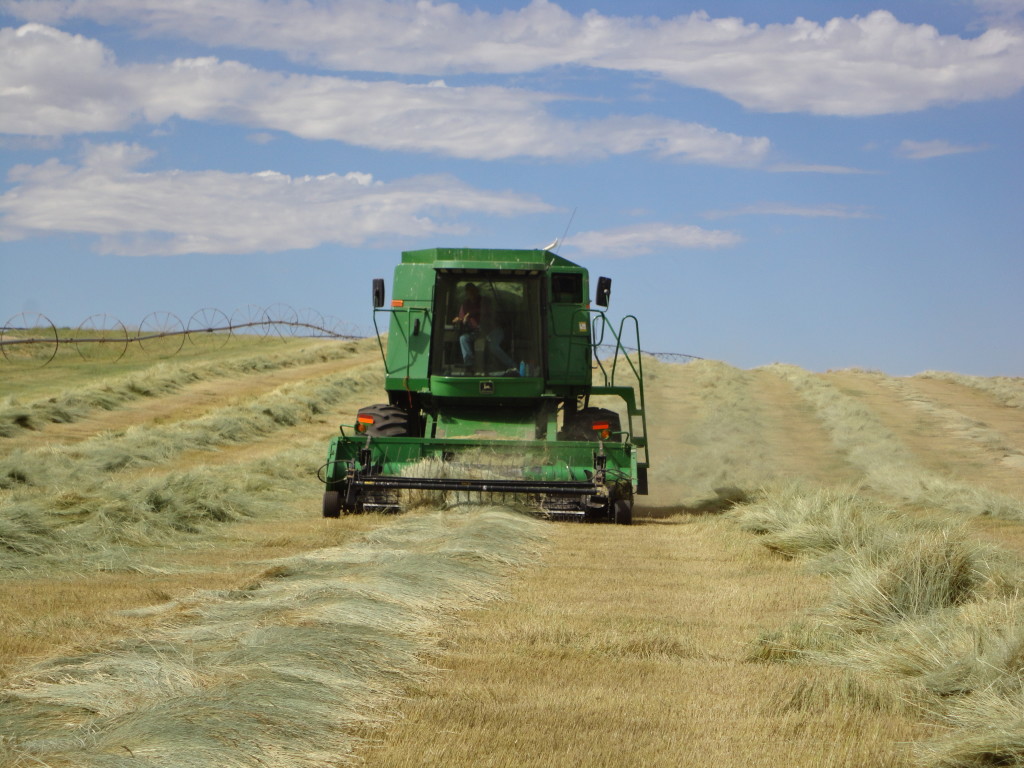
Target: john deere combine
<point>495,387</point>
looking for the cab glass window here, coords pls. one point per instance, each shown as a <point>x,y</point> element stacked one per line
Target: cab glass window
<point>567,288</point>
<point>487,325</point>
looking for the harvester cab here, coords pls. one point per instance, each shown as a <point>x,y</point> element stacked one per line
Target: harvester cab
<point>498,374</point>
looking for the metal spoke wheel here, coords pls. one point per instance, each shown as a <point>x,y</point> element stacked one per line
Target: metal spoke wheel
<point>101,338</point>
<point>309,322</point>
<point>161,334</point>
<point>29,338</point>
<point>209,326</point>
<point>281,320</point>
<point>250,320</point>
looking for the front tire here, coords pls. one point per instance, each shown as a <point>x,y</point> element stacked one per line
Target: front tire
<point>581,425</point>
<point>387,421</point>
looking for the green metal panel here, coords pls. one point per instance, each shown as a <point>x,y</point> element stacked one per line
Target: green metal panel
<point>490,389</point>
<point>411,310</point>
<point>532,459</point>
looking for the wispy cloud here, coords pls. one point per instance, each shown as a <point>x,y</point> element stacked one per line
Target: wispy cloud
<point>788,209</point>
<point>925,150</point>
<point>1001,11</point>
<point>865,65</point>
<point>814,168</point>
<point>55,83</point>
<point>641,239</point>
<point>137,213</point>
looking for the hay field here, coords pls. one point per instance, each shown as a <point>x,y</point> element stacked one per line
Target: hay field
<point>827,573</point>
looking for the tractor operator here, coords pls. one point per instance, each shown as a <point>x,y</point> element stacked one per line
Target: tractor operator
<point>476,314</point>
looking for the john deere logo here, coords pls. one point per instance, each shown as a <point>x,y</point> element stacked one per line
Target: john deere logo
<point>486,387</point>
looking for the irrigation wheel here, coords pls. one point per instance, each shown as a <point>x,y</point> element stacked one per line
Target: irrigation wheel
<point>309,322</point>
<point>281,319</point>
<point>101,338</point>
<point>29,338</point>
<point>161,334</point>
<point>209,324</point>
<point>250,319</point>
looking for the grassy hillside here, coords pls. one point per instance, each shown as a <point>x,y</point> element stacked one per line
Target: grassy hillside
<point>826,572</point>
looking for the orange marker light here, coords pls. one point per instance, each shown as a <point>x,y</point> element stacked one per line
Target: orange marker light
<point>398,302</point>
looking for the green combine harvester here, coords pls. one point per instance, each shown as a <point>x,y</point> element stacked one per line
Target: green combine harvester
<point>492,371</point>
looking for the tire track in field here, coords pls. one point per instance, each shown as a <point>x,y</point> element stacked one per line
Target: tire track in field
<point>800,444</point>
<point>983,410</point>
<point>715,426</point>
<point>890,466</point>
<point>705,434</point>
<point>941,437</point>
<point>626,648</point>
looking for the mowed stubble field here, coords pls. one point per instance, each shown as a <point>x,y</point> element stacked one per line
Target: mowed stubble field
<point>169,593</point>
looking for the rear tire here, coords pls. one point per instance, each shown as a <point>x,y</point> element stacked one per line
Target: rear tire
<point>388,421</point>
<point>332,504</point>
<point>623,511</point>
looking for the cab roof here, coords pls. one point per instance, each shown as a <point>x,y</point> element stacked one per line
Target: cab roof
<point>484,258</point>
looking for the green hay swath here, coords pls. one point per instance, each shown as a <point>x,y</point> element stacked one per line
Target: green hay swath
<point>923,613</point>
<point>103,522</point>
<point>280,674</point>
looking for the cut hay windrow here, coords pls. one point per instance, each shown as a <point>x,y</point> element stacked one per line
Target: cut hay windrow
<point>101,521</point>
<point>152,444</point>
<point>283,673</point>
<point>161,379</point>
<point>888,465</point>
<point>922,613</point>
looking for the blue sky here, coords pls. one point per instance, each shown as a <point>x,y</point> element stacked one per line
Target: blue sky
<point>828,184</point>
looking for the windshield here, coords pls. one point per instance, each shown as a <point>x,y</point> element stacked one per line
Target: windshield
<point>487,325</point>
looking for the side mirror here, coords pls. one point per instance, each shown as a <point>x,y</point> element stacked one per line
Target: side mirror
<point>378,292</point>
<point>604,291</point>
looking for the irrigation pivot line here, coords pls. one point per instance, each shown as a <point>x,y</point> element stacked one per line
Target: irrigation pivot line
<point>32,339</point>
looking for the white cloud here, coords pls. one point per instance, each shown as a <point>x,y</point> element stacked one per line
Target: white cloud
<point>925,150</point>
<point>833,211</point>
<point>52,83</point>
<point>486,122</point>
<point>867,65</point>
<point>135,213</point>
<point>640,239</point>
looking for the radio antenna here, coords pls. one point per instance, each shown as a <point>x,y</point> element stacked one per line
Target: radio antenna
<point>558,240</point>
<point>565,234</point>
